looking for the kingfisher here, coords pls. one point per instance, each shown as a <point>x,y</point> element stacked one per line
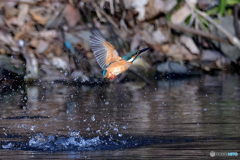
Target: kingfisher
<point>108,58</point>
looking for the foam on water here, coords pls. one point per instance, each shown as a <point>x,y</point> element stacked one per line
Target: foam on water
<point>75,141</point>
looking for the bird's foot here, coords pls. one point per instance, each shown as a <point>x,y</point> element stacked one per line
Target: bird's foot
<point>112,76</point>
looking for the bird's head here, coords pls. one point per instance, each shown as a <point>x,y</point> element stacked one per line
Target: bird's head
<point>132,55</point>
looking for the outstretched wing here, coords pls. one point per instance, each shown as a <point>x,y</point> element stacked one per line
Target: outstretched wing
<point>103,51</point>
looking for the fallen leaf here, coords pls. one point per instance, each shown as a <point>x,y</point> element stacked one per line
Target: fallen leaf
<point>42,46</point>
<point>158,36</point>
<point>59,63</point>
<point>23,11</point>
<point>179,52</point>
<point>182,13</point>
<point>12,21</point>
<point>165,48</point>
<point>19,35</point>
<point>10,12</point>
<point>34,43</point>
<point>155,7</point>
<point>71,15</point>
<point>7,39</point>
<point>39,18</point>
<point>138,5</point>
<point>189,43</point>
<point>48,34</point>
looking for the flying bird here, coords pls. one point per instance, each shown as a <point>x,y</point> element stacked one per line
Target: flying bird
<point>108,58</point>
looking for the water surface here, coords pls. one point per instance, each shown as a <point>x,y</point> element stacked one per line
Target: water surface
<point>176,119</point>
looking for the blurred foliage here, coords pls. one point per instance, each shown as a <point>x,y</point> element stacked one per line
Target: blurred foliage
<point>225,5</point>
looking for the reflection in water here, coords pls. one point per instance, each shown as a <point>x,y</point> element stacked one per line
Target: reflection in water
<point>206,107</point>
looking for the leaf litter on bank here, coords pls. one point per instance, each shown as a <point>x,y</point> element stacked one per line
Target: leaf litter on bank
<point>40,30</point>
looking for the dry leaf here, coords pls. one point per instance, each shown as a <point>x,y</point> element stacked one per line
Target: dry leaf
<point>42,46</point>
<point>182,13</point>
<point>39,18</point>
<point>155,7</point>
<point>158,36</point>
<point>59,63</point>
<point>179,52</point>
<point>138,5</point>
<point>188,42</point>
<point>23,11</point>
<point>34,43</point>
<point>165,48</point>
<point>71,15</point>
<point>18,35</point>
<point>48,35</point>
<point>10,12</point>
<point>7,39</point>
<point>12,21</point>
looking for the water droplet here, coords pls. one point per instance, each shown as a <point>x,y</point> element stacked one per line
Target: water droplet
<point>32,127</point>
<point>107,103</point>
<point>106,133</point>
<point>75,133</point>
<point>93,118</point>
<point>205,109</point>
<point>119,135</point>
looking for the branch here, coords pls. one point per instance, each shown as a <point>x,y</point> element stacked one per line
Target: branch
<point>233,39</point>
<point>197,32</point>
<point>105,14</point>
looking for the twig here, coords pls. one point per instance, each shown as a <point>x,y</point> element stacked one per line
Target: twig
<point>233,39</point>
<point>197,32</point>
<point>53,17</point>
<point>236,25</point>
<point>9,25</point>
<point>105,14</point>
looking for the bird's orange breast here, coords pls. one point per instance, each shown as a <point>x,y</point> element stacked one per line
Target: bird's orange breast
<point>116,68</point>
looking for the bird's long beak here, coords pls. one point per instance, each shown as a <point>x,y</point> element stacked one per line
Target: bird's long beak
<point>143,50</point>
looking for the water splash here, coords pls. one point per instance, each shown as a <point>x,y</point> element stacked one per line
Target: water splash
<point>75,142</point>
